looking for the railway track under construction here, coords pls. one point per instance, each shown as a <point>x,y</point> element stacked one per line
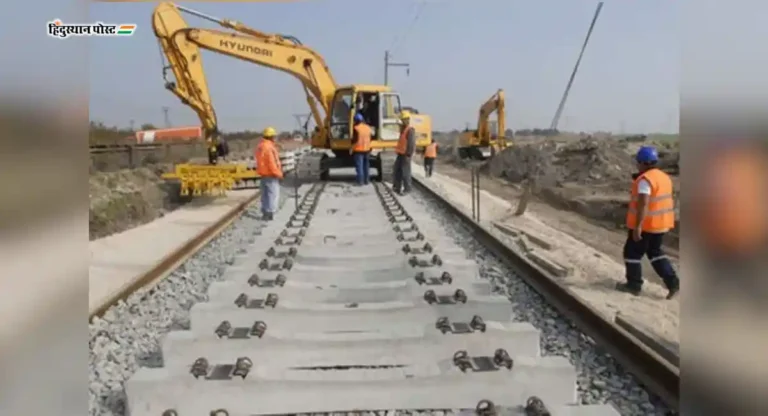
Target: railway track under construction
<point>357,300</point>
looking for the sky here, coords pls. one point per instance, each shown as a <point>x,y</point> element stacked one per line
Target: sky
<point>460,52</point>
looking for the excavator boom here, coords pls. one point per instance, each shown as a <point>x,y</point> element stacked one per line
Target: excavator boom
<point>297,60</point>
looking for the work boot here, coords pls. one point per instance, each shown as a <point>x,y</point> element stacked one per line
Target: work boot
<point>673,293</point>
<point>624,287</point>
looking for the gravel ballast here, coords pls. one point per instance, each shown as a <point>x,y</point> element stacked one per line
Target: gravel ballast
<point>128,335</point>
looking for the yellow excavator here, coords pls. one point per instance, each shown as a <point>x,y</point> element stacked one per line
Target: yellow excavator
<point>332,106</point>
<point>481,144</point>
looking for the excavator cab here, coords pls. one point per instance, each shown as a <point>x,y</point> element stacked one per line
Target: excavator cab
<point>380,109</point>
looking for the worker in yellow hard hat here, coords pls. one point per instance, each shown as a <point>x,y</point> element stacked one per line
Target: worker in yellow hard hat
<point>270,171</point>
<point>406,146</point>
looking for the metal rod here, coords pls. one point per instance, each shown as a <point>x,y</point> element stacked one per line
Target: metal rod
<point>199,14</point>
<point>472,192</point>
<point>296,188</point>
<point>478,193</point>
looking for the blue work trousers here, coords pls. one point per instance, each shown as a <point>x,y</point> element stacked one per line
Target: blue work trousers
<point>270,194</point>
<point>649,245</point>
<point>362,167</point>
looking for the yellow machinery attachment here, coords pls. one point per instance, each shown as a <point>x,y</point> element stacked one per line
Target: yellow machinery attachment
<point>200,180</point>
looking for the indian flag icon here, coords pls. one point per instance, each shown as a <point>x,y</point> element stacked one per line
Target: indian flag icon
<point>126,30</point>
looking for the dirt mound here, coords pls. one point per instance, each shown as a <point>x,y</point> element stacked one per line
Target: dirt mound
<point>583,161</point>
<point>127,198</point>
<point>589,176</point>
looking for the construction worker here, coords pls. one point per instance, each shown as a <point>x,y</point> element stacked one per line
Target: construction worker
<point>650,215</point>
<point>271,172</point>
<point>406,145</point>
<point>361,149</point>
<point>430,154</point>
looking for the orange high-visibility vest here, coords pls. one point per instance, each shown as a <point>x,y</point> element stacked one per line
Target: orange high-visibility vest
<point>660,214</point>
<point>268,160</point>
<point>402,142</point>
<point>431,151</point>
<point>363,143</point>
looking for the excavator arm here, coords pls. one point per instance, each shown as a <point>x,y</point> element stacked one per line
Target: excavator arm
<point>493,104</point>
<point>186,63</point>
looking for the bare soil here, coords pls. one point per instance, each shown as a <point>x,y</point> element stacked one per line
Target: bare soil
<point>587,176</point>
<point>127,198</point>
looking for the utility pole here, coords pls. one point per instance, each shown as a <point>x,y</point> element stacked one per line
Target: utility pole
<point>387,64</point>
<point>561,106</point>
<point>165,116</point>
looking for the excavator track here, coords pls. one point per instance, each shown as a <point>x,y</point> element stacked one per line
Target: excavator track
<point>311,168</point>
<point>385,165</point>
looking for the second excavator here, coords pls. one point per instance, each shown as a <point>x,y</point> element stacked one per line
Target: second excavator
<point>481,144</point>
<point>332,106</point>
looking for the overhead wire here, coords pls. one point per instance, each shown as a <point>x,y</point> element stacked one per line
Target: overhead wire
<point>418,7</point>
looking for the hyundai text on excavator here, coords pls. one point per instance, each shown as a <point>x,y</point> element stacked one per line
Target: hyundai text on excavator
<point>332,106</point>
<point>481,144</point>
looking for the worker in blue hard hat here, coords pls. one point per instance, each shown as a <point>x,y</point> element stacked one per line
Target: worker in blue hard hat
<point>361,149</point>
<point>651,214</point>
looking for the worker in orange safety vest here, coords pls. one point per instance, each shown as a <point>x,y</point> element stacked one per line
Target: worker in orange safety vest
<point>270,171</point>
<point>651,214</point>
<point>361,149</point>
<point>406,146</point>
<point>430,154</point>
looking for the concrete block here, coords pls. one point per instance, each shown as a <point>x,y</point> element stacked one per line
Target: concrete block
<point>539,240</point>
<point>152,391</point>
<point>507,229</point>
<point>523,243</point>
<point>409,345</point>
<point>343,277</point>
<point>227,291</point>
<point>364,317</point>
<point>549,265</point>
<point>666,349</point>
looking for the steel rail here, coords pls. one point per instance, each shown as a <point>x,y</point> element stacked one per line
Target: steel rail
<point>654,371</point>
<point>177,257</point>
<point>658,374</point>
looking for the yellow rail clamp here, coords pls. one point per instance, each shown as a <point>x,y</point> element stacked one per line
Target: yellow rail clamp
<point>209,179</point>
